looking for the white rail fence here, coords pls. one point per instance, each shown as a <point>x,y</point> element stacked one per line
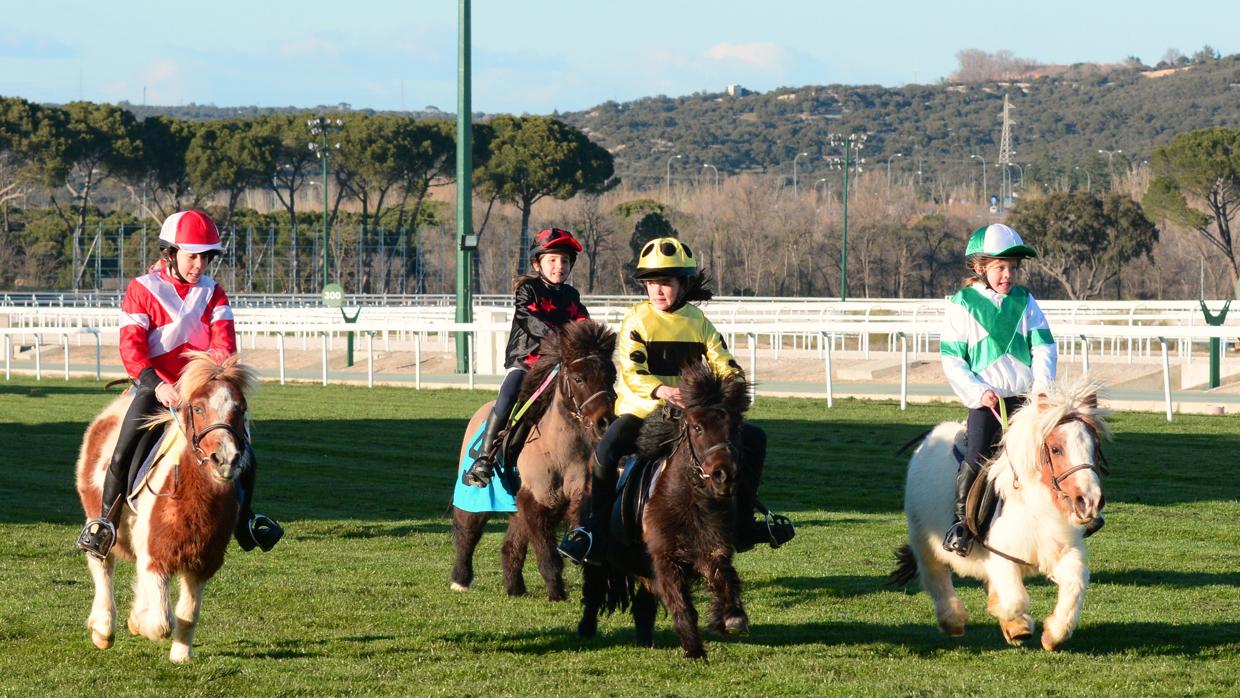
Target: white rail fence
<point>821,333</point>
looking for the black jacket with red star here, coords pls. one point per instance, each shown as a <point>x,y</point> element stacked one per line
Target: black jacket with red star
<point>539,309</point>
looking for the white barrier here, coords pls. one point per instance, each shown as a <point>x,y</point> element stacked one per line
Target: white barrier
<point>327,326</point>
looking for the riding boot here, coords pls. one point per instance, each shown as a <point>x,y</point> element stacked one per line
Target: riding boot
<point>958,539</point>
<point>253,530</point>
<point>588,543</point>
<point>99,534</point>
<point>483,468</point>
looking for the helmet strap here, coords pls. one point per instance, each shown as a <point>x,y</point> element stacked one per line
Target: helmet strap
<point>171,265</point>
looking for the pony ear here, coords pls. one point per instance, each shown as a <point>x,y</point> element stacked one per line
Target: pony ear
<point>1090,400</point>
<point>1043,402</point>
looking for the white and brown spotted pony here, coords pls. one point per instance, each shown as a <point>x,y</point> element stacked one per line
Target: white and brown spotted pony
<point>180,520</point>
<point>1046,474</point>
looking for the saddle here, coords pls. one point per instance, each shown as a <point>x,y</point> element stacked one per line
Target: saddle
<point>153,442</point>
<point>983,502</point>
<point>637,481</point>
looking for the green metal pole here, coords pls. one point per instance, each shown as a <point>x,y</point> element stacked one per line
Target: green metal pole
<point>844,241</point>
<point>323,141</point>
<point>464,183</point>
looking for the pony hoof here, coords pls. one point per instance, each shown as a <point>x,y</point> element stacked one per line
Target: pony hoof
<point>1017,630</point>
<point>180,654</point>
<point>952,629</point>
<point>558,595</point>
<point>101,641</point>
<point>695,653</point>
<point>1049,643</point>
<point>736,625</point>
<point>133,626</point>
<point>587,627</point>
<point>456,586</point>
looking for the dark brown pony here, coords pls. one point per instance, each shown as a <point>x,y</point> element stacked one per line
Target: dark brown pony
<point>688,525</point>
<point>183,516</point>
<point>568,420</point>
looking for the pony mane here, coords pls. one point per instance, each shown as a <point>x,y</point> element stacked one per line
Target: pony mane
<point>699,388</point>
<point>203,369</point>
<point>1031,425</point>
<point>572,341</point>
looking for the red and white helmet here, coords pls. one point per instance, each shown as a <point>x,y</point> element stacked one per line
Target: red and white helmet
<point>191,231</point>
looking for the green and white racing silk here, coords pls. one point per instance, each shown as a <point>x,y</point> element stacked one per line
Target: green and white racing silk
<point>996,342</point>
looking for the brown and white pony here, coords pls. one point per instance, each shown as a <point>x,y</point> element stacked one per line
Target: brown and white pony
<point>185,513</point>
<point>1047,476</point>
<point>554,464</point>
<point>689,522</point>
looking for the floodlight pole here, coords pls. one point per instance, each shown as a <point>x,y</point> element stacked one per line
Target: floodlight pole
<point>464,184</point>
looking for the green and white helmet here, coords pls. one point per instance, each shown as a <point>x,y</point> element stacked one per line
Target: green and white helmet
<point>998,240</point>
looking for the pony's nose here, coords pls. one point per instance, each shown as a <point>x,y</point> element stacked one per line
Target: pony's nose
<point>1086,507</point>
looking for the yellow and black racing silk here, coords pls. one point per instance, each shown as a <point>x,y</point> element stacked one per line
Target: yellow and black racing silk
<point>652,347</point>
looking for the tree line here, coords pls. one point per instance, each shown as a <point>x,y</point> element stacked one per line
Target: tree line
<point>381,166</point>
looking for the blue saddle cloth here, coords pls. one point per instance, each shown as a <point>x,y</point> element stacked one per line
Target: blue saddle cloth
<point>498,496</point>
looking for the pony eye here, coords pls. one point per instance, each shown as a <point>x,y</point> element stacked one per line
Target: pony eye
<point>1057,451</point>
<point>578,380</point>
<point>697,428</point>
<point>198,410</point>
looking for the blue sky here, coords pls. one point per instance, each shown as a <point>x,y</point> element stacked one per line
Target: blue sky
<point>537,56</point>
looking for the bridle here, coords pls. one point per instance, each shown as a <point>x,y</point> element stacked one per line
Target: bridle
<point>695,460</point>
<point>579,406</point>
<point>1099,466</point>
<point>1046,463</point>
<point>197,436</point>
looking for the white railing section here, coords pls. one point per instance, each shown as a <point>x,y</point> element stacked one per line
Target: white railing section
<point>825,334</point>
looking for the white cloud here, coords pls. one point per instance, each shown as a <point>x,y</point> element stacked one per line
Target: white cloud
<point>759,56</point>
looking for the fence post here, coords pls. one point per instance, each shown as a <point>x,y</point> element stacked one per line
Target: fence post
<point>65,336</point>
<point>830,340</point>
<point>1166,364</point>
<point>753,366</point>
<point>370,358</point>
<point>903,371</point>
<point>324,336</point>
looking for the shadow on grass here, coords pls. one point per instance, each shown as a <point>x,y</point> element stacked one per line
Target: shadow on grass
<point>394,469</point>
<point>1165,578</point>
<point>291,648</point>
<point>49,388</point>
<point>923,640</point>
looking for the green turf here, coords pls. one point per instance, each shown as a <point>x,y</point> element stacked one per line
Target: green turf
<point>356,601</point>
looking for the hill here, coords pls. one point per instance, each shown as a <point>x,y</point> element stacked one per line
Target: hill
<point>1064,115</point>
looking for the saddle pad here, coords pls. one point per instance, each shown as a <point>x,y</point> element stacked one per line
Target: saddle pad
<point>496,496</point>
<point>169,439</point>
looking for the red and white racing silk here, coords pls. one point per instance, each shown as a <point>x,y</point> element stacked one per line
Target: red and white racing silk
<point>162,318</point>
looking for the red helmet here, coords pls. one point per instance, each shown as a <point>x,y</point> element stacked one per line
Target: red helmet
<point>554,240</point>
<point>191,231</point>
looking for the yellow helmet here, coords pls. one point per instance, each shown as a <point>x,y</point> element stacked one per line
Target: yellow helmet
<point>664,258</point>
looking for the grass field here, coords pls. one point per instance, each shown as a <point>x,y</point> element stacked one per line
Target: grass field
<point>356,601</point>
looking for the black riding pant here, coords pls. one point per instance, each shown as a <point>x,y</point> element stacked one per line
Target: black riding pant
<point>982,431</point>
<point>619,440</point>
<point>509,390</point>
<point>143,407</point>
